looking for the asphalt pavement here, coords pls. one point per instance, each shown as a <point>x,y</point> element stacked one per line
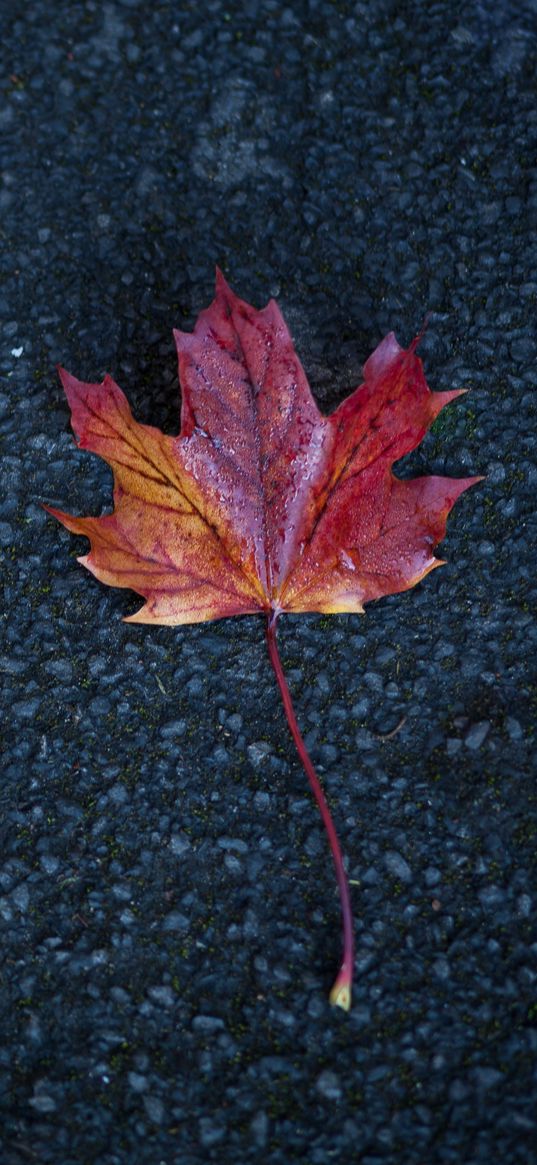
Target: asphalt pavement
<point>170,923</point>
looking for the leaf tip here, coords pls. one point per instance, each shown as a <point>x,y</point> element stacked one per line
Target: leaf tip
<point>220,280</point>
<point>69,382</point>
<point>137,616</point>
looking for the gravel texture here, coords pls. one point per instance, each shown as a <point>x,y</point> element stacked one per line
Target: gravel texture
<point>169,916</point>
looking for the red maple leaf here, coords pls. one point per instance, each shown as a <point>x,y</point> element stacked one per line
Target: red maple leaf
<point>261,504</point>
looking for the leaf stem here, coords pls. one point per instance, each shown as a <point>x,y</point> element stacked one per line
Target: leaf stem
<point>340,994</point>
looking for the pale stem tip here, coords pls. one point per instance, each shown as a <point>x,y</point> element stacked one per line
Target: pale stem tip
<point>341,993</point>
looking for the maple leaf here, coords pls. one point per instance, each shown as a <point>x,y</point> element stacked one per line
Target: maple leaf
<point>261,504</point>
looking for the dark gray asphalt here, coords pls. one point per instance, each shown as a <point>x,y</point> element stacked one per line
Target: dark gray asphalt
<point>169,917</point>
